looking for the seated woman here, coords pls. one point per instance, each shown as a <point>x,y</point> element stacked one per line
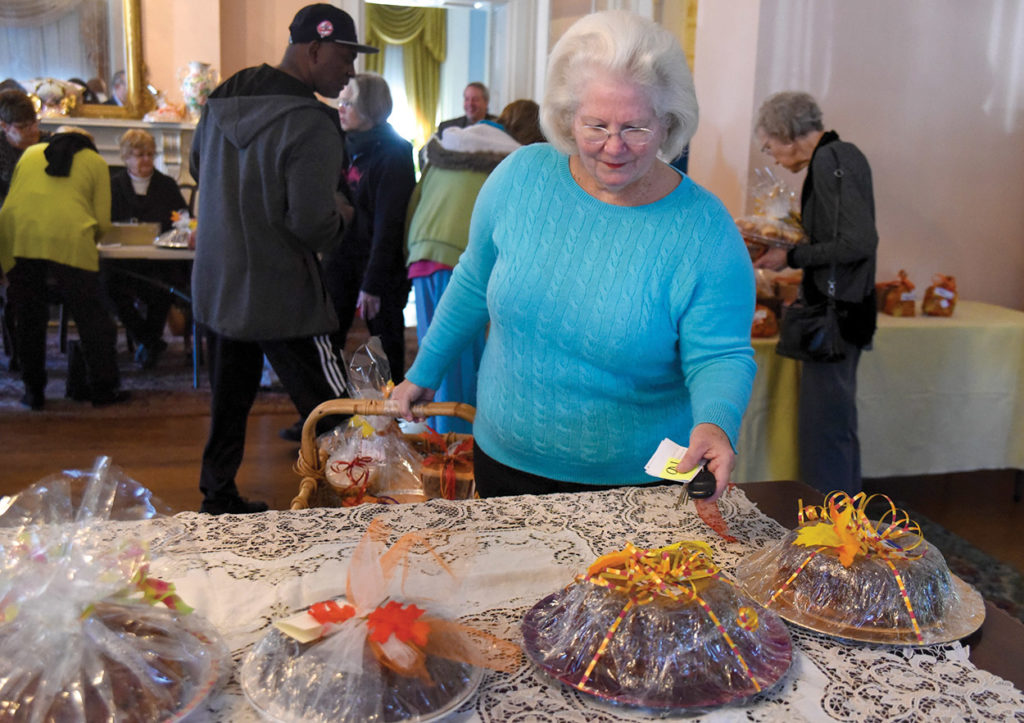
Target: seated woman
<point>59,204</point>
<point>139,192</point>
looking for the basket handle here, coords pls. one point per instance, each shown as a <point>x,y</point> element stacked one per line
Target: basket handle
<point>382,407</point>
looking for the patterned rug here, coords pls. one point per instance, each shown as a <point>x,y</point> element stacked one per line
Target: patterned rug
<point>165,389</point>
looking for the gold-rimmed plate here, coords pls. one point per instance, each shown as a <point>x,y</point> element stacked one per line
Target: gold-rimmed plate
<point>967,616</point>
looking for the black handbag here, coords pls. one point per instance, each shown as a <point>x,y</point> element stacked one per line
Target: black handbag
<point>810,332</point>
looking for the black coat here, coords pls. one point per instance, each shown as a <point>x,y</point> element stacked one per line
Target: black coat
<point>853,244</point>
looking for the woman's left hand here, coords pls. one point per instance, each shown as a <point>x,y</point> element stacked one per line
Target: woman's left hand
<point>368,305</point>
<point>709,442</point>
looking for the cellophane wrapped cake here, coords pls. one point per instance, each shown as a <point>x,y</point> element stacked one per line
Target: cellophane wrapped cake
<point>662,630</point>
<point>390,649</point>
<point>878,580</point>
<point>86,633</point>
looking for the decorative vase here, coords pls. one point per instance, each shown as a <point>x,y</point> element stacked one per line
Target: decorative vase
<point>197,82</point>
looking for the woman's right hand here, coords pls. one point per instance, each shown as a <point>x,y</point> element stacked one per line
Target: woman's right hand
<point>407,394</point>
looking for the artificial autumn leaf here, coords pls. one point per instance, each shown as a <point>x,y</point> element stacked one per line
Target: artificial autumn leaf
<point>330,612</point>
<point>402,622</point>
<point>838,533</point>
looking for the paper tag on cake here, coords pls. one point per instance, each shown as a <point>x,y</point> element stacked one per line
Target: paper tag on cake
<point>665,463</point>
<point>315,621</point>
<point>302,627</point>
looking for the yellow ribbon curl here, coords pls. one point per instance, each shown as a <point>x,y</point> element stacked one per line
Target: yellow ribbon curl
<point>644,575</point>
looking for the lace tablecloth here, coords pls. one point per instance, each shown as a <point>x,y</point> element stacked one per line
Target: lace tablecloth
<point>243,572</point>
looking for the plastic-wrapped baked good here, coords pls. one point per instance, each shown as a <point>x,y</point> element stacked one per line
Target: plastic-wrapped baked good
<point>86,633</point>
<point>661,630</point>
<point>876,581</point>
<point>388,651</point>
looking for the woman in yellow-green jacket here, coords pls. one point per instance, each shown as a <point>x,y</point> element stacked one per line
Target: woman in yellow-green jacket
<point>57,208</point>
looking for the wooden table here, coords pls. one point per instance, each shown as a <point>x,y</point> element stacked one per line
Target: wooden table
<point>934,395</point>
<point>997,647</point>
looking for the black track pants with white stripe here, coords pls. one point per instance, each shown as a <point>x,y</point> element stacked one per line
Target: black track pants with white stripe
<point>311,370</point>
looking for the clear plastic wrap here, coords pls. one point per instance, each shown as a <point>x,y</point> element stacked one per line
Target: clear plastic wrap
<point>365,464</point>
<point>388,651</point>
<point>875,581</point>
<point>660,630</point>
<point>181,235</point>
<point>86,634</point>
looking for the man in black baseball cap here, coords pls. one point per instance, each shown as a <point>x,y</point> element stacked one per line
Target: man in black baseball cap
<point>325,22</point>
<point>268,155</point>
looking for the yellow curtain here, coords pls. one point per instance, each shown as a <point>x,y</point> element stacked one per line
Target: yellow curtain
<point>421,32</point>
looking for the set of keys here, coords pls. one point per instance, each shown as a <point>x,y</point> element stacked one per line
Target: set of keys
<point>700,487</point>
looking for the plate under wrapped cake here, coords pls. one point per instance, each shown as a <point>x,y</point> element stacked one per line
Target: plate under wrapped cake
<point>661,630</point>
<point>870,580</point>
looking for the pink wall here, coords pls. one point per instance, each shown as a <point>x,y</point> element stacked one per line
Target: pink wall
<point>172,36</point>
<point>229,34</point>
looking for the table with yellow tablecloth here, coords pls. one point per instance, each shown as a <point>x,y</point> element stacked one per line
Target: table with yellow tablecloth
<point>934,395</point>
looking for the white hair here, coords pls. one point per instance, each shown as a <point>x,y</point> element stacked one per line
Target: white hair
<point>624,45</point>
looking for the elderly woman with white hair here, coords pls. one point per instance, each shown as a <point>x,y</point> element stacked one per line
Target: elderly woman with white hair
<point>619,293</point>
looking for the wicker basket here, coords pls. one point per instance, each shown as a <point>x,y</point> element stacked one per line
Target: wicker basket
<point>314,490</point>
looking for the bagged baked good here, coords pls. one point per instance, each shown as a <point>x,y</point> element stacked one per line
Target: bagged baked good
<point>367,463</point>
<point>766,323</point>
<point>661,630</point>
<point>897,297</point>
<point>86,632</point>
<point>940,298</point>
<point>874,580</point>
<point>389,650</point>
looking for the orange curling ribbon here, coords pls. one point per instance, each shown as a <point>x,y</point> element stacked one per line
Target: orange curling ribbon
<point>449,460</point>
<point>644,575</point>
<point>330,612</point>
<point>842,524</point>
<point>357,470</point>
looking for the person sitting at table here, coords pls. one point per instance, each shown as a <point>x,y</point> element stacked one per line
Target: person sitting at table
<point>58,206</point>
<point>137,287</point>
<point>619,293</point>
<point>790,130</point>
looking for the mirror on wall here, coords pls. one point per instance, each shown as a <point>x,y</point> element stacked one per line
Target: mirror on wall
<point>90,41</point>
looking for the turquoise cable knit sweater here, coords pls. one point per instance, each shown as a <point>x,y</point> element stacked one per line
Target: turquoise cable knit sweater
<point>611,327</point>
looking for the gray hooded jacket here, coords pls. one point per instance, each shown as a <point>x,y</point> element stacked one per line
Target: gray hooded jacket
<point>267,167</point>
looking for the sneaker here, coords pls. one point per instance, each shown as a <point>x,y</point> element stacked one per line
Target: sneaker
<point>33,400</point>
<point>105,400</point>
<point>292,433</point>
<point>232,505</point>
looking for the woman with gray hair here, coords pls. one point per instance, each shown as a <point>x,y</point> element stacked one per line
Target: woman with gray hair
<point>619,293</point>
<point>366,273</point>
<point>839,218</point>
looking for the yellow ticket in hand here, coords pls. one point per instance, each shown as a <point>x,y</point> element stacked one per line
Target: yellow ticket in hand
<point>664,463</point>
